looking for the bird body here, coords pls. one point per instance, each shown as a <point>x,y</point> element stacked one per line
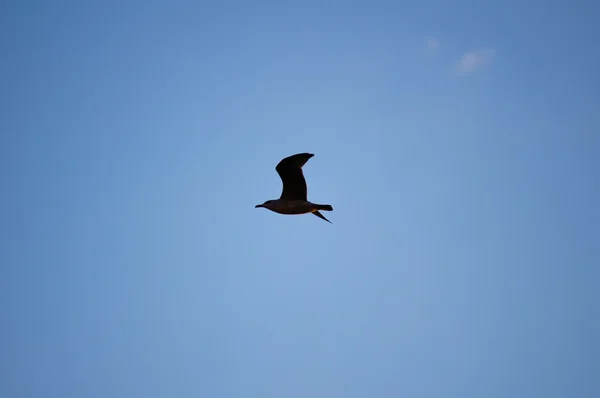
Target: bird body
<point>293,200</point>
<point>283,206</point>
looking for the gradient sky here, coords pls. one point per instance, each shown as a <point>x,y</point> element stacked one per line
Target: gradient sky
<point>458,142</point>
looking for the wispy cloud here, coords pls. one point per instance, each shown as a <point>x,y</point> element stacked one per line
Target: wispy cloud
<point>433,44</point>
<point>474,60</point>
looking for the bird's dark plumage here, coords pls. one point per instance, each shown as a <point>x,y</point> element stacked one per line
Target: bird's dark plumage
<point>293,199</point>
<point>290,171</point>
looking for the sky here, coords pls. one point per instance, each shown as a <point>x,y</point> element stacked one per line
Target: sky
<point>458,143</point>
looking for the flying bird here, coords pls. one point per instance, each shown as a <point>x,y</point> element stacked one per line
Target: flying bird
<point>293,199</point>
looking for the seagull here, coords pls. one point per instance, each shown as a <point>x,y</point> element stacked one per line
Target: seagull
<point>293,196</point>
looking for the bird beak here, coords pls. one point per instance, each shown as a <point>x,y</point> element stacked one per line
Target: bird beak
<point>257,206</point>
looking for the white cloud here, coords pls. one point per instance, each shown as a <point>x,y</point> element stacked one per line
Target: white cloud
<point>475,59</point>
<point>433,44</point>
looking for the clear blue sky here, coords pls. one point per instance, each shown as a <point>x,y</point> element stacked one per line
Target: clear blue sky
<point>459,145</point>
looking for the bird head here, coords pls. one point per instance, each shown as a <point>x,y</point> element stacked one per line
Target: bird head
<point>266,205</point>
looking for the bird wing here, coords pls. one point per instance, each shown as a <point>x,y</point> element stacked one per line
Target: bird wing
<point>318,214</point>
<point>290,171</point>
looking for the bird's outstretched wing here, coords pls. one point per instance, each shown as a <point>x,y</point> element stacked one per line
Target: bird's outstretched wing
<point>290,171</point>
<point>318,214</point>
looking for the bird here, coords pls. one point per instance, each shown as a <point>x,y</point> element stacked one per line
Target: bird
<point>293,199</point>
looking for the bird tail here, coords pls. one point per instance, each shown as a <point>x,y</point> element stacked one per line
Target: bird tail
<point>324,207</point>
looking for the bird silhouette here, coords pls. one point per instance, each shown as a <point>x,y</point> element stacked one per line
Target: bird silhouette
<point>293,199</point>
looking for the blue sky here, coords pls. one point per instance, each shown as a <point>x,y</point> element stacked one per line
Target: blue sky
<point>458,144</point>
